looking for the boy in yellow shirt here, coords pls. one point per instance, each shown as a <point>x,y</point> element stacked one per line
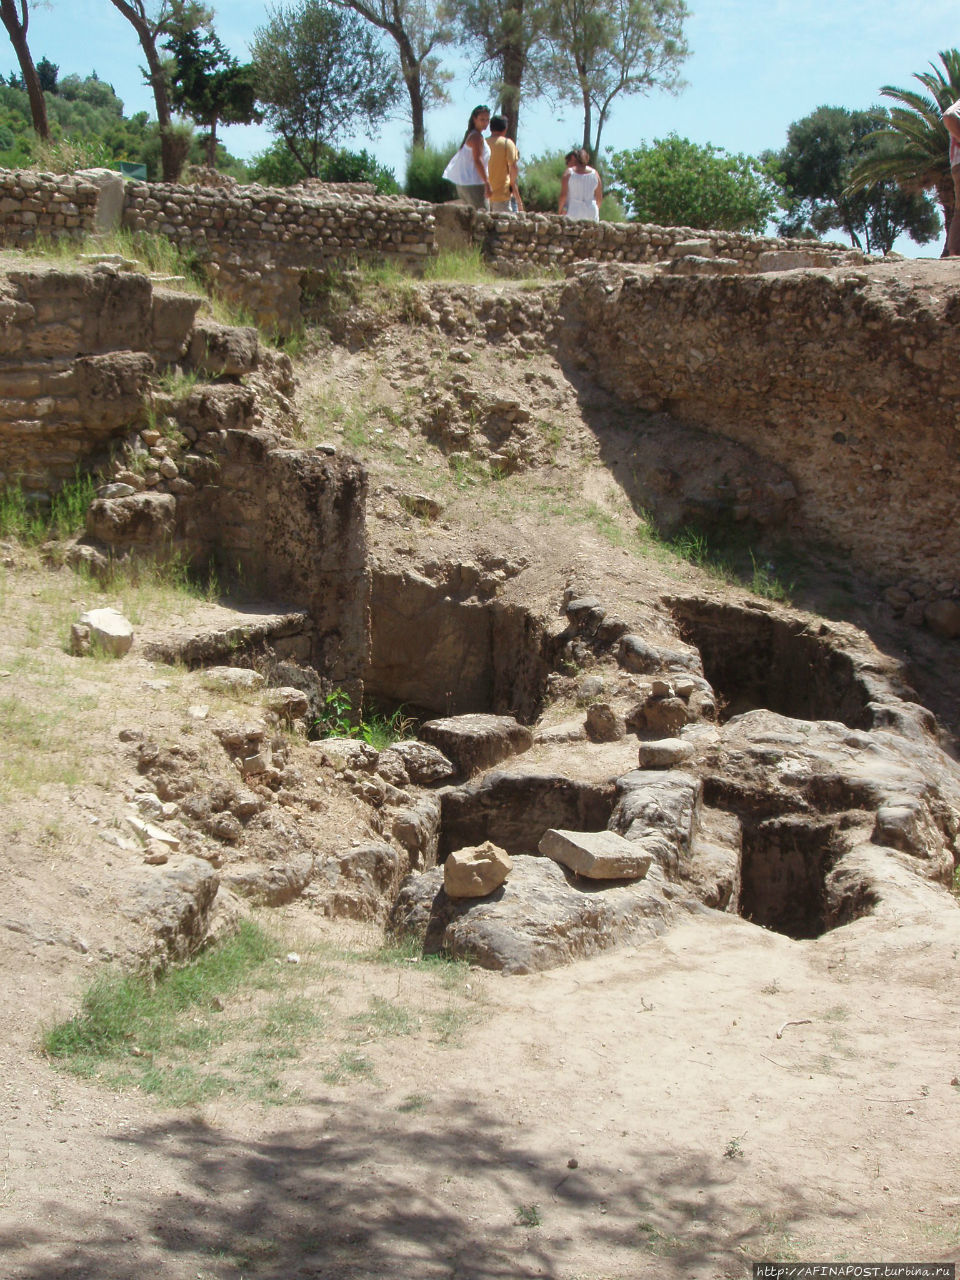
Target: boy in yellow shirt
<point>502,169</point>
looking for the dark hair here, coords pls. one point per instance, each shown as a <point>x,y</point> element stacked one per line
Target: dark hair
<point>572,155</point>
<point>498,124</point>
<point>473,115</point>
<point>579,155</point>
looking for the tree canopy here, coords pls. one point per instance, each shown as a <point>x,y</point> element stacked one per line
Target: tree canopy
<point>209,84</point>
<point>599,49</point>
<point>817,164</point>
<point>417,28</point>
<point>677,183</point>
<point>319,73</point>
<point>916,150</point>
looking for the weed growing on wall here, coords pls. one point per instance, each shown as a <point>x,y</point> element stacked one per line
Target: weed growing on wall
<point>33,519</point>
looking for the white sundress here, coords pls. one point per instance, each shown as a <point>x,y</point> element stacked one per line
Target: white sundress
<point>581,188</point>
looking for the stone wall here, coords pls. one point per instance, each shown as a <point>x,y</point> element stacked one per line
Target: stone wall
<point>262,245</point>
<point>846,379</point>
<point>207,472</point>
<point>45,205</point>
<point>76,352</point>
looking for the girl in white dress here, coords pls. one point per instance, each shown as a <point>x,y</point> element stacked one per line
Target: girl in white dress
<point>468,168</point>
<point>581,190</point>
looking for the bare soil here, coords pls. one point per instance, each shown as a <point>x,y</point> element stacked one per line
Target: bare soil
<point>676,1109</point>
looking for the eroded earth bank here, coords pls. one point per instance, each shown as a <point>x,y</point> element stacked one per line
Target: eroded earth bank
<point>716,1020</point>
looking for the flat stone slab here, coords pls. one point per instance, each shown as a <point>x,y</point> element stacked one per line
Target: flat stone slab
<point>664,753</point>
<point>598,855</point>
<point>477,742</point>
<point>109,629</point>
<point>540,918</point>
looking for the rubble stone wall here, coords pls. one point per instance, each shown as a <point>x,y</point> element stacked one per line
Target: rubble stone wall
<point>50,205</point>
<point>847,379</point>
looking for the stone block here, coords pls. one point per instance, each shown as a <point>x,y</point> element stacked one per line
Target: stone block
<point>597,855</point>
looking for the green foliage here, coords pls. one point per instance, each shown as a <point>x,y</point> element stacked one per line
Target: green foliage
<point>528,1215</point>
<point>540,179</point>
<point>88,128</point>
<point>208,84</point>
<point>320,73</point>
<point>120,1011</point>
<point>677,183</point>
<point>373,725</point>
<point>424,178</point>
<point>600,50</point>
<point>817,165</point>
<point>916,150</point>
<point>33,520</point>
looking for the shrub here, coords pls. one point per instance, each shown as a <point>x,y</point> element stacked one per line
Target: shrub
<point>424,178</point>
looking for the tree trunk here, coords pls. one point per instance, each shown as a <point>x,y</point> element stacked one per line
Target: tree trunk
<point>514,63</point>
<point>173,152</point>
<point>212,144</point>
<point>17,31</point>
<point>410,69</point>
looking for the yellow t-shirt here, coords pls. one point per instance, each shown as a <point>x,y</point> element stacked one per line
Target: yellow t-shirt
<point>503,153</point>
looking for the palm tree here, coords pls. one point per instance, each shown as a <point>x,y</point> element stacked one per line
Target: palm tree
<point>916,150</point>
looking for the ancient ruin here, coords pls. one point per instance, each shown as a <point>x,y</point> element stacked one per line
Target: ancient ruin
<point>439,508</point>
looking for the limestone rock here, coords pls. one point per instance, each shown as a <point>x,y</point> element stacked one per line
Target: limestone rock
<point>417,828</point>
<point>662,716</point>
<point>222,349</point>
<point>604,724</point>
<point>286,702</point>
<point>173,902</point>
<point>107,630</point>
<point>943,618</point>
<point>664,753</point>
<point>636,654</point>
<point>475,872</point>
<point>665,805</point>
<point>273,885</point>
<point>477,742</point>
<point>347,753</point>
<point>424,764</point>
<point>231,679</point>
<point>539,919</point>
<point>142,520</point>
<point>598,855</point>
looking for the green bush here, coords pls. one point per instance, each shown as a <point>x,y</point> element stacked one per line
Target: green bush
<point>424,178</point>
<point>279,167</point>
<point>540,182</point>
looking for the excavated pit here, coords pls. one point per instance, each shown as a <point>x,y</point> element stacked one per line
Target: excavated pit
<point>441,649</point>
<point>754,659</point>
<point>784,870</point>
<point>514,810</point>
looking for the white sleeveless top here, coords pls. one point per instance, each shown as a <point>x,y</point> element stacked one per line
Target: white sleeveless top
<point>581,188</point>
<point>462,171</point>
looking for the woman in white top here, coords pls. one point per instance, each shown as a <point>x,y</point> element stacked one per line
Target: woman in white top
<point>468,168</point>
<point>581,189</point>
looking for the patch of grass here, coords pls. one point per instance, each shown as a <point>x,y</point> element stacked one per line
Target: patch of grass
<point>347,1066</point>
<point>376,727</point>
<point>178,382</point>
<point>382,1018</point>
<point>657,1241</point>
<point>459,266</point>
<point>414,1102</point>
<point>734,1148</point>
<point>33,518</point>
<point>528,1215</point>
<point>133,1029</point>
<point>38,748</point>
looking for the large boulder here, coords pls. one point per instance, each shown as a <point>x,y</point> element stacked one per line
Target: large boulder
<point>477,742</point>
<point>475,872</point>
<point>540,918</point>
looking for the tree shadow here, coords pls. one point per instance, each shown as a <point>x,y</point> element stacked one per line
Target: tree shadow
<point>362,1192</point>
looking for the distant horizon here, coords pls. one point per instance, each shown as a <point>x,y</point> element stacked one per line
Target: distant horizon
<point>743,90</point>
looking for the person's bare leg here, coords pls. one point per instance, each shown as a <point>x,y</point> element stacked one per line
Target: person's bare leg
<point>953,236</point>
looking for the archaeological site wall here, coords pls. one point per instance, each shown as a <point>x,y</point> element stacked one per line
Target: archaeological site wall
<point>846,379</point>
<point>206,473</point>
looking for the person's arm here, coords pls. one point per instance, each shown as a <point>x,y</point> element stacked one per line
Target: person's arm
<point>564,184</point>
<point>515,184</point>
<point>598,192</point>
<point>475,143</point>
<point>952,122</point>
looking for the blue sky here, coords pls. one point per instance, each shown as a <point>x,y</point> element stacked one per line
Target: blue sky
<point>756,66</point>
